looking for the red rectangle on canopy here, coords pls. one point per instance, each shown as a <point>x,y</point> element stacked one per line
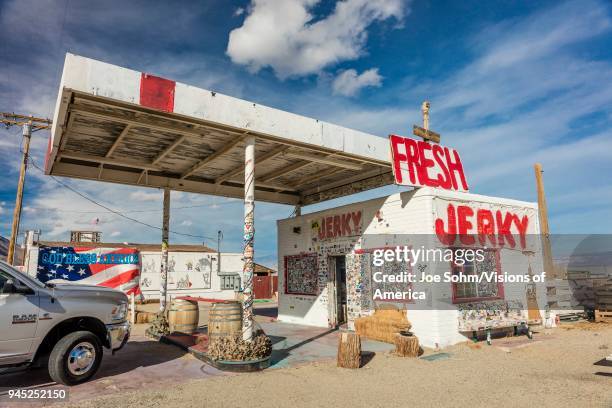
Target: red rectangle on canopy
<point>157,93</point>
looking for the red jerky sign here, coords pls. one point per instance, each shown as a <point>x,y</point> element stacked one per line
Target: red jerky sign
<point>493,228</point>
<point>339,225</point>
<point>422,164</point>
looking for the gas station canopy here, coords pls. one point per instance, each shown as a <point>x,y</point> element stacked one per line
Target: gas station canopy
<point>117,125</point>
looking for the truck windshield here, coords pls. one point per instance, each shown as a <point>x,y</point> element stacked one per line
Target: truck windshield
<point>20,275</point>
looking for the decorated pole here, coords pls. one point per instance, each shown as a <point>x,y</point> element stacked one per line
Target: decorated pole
<point>163,286</point>
<point>249,238</point>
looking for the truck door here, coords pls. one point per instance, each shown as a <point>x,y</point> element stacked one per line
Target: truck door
<point>18,320</point>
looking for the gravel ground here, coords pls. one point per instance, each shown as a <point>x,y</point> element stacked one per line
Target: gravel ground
<point>558,371</point>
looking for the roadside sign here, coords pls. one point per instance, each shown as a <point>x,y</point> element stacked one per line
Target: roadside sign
<point>419,163</point>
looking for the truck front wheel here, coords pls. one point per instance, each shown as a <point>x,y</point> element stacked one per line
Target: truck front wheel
<point>75,358</point>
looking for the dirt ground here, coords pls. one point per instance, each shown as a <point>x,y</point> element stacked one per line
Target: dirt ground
<point>558,369</point>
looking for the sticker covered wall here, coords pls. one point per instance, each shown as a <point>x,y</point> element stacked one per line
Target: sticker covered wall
<point>301,274</point>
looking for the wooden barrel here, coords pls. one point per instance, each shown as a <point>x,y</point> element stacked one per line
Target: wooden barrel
<point>225,320</point>
<point>183,316</point>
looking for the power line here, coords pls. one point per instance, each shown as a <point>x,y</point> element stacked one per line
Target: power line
<point>69,187</point>
<point>133,211</point>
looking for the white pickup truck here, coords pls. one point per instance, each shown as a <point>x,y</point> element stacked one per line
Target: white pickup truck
<point>68,323</point>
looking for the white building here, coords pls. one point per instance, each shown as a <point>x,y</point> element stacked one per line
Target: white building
<point>326,273</point>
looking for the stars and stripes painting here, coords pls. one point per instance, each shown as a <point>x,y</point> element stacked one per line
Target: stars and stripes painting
<point>117,268</point>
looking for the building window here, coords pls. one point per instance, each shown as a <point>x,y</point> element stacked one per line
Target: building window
<point>230,282</point>
<point>474,291</point>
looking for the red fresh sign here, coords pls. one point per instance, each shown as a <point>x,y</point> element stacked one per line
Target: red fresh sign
<point>423,164</point>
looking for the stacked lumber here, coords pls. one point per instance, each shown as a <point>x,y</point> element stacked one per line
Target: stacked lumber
<point>349,350</point>
<point>603,303</point>
<point>567,298</point>
<point>383,325</point>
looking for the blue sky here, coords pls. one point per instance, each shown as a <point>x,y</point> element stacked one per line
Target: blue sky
<point>511,83</point>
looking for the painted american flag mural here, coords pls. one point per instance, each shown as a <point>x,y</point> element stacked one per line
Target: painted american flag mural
<point>117,268</point>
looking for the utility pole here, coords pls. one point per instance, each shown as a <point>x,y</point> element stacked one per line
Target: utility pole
<point>219,238</point>
<point>29,124</point>
<point>544,229</point>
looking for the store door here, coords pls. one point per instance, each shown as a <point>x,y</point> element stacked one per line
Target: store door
<point>339,294</point>
<point>262,287</point>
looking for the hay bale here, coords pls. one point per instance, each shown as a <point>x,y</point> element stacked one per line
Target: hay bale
<point>406,346</point>
<point>349,350</point>
<point>383,325</point>
<point>144,317</point>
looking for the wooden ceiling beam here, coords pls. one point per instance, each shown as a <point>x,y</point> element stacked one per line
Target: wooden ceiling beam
<point>208,159</point>
<point>258,161</point>
<point>346,187</point>
<point>169,149</point>
<point>66,130</point>
<point>314,177</point>
<point>344,181</point>
<point>107,116</point>
<point>275,186</point>
<point>106,160</point>
<point>150,180</point>
<point>282,171</point>
<point>118,141</point>
<point>329,160</point>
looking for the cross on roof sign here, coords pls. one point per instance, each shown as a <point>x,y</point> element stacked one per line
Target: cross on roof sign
<point>424,131</point>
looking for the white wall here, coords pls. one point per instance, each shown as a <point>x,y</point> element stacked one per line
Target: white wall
<point>199,268</point>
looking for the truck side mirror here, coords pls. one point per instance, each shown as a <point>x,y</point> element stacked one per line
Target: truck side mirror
<point>11,287</point>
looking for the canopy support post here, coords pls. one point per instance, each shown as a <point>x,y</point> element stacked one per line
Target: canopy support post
<point>249,237</point>
<point>164,252</point>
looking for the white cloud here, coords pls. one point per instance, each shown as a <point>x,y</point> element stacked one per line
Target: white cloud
<point>288,38</point>
<point>529,92</point>
<point>186,223</point>
<point>115,233</point>
<point>141,195</point>
<point>349,83</point>
<point>238,12</point>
